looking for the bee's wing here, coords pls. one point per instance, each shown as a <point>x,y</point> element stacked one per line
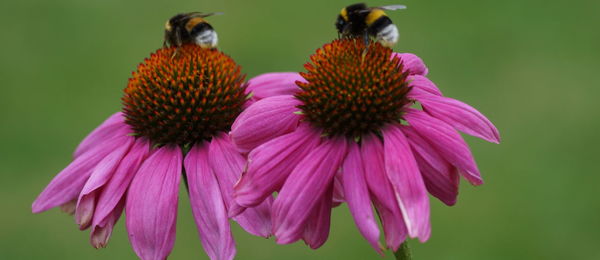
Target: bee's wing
<point>392,7</point>
<point>385,7</point>
<point>202,15</point>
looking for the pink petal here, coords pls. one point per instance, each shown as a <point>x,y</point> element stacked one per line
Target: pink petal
<point>382,193</point>
<point>265,120</point>
<point>107,130</point>
<point>274,84</point>
<point>441,178</point>
<point>101,231</point>
<point>270,164</point>
<point>228,164</point>
<point>338,189</point>
<point>422,83</point>
<point>304,188</point>
<point>67,185</point>
<point>69,207</point>
<point>316,231</point>
<point>374,164</point>
<point>403,173</point>
<point>207,205</point>
<point>236,209</point>
<point>357,196</point>
<point>447,142</point>
<point>152,204</point>
<point>100,175</point>
<point>114,190</point>
<point>459,115</point>
<point>412,63</point>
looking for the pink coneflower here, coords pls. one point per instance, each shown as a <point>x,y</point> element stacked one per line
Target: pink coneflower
<point>351,131</point>
<point>177,110</point>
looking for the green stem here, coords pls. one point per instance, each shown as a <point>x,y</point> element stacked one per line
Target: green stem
<point>403,252</point>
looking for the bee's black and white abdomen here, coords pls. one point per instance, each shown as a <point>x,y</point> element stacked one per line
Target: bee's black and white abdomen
<point>207,39</point>
<point>388,36</point>
<point>384,31</point>
<point>204,35</point>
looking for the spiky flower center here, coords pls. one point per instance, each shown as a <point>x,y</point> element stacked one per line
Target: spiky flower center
<point>184,95</point>
<point>352,88</point>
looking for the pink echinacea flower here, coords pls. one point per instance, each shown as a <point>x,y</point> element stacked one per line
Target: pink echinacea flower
<point>349,130</point>
<point>177,110</point>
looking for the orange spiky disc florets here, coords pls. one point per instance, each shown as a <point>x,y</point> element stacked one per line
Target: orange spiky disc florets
<point>184,95</point>
<point>353,88</point>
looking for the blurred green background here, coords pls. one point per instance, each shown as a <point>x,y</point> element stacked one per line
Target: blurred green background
<point>530,66</point>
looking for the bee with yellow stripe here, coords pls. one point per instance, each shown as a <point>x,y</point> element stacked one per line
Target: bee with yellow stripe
<point>190,28</point>
<point>358,20</point>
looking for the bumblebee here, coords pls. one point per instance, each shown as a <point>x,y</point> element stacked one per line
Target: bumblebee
<point>358,20</point>
<point>190,28</point>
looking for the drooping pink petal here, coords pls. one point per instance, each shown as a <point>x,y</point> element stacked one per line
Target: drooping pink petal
<point>338,189</point>
<point>382,193</point>
<point>69,207</point>
<point>107,130</point>
<point>114,190</point>
<point>100,175</point>
<point>421,83</point>
<point>151,206</point>
<point>265,120</point>
<point>459,115</point>
<point>102,230</point>
<point>357,196</point>
<point>374,164</point>
<point>274,84</point>
<point>441,177</point>
<point>316,231</point>
<point>444,188</point>
<point>304,188</point>
<point>236,209</point>
<point>271,163</point>
<point>228,164</point>
<point>404,175</point>
<point>67,185</point>
<point>207,205</point>
<point>447,142</point>
<point>412,63</point>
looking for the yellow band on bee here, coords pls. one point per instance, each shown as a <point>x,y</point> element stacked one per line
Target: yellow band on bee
<point>374,15</point>
<point>193,22</point>
<point>344,14</point>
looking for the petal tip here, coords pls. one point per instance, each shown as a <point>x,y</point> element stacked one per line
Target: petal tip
<point>449,203</point>
<point>36,207</point>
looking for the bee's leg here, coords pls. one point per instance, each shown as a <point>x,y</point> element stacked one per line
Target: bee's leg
<point>344,33</point>
<point>165,39</point>
<point>177,42</point>
<point>366,39</point>
<point>178,37</point>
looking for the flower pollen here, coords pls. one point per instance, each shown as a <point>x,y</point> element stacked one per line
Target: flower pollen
<point>183,95</point>
<point>352,88</point>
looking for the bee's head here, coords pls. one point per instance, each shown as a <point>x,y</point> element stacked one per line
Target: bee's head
<point>174,21</point>
<point>349,15</point>
<point>341,22</point>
